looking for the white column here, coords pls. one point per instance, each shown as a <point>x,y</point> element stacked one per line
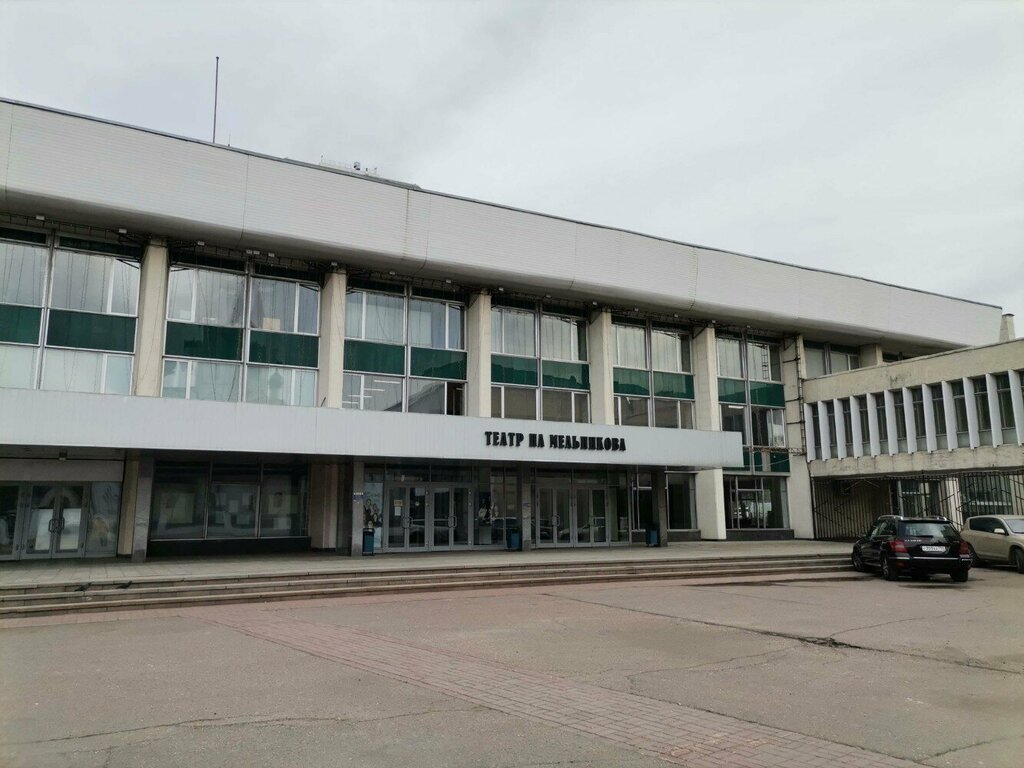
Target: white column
<point>873,441</point>
<point>710,492</point>
<point>826,430</point>
<point>858,429</point>
<point>143,500</point>
<point>324,493</point>
<point>798,484</point>
<point>330,377</point>
<point>930,440</point>
<point>911,422</point>
<point>870,355</point>
<point>949,413</point>
<point>601,349</point>
<point>840,427</point>
<point>812,439</point>
<point>152,322</point>
<point>478,356</point>
<point>890,422</point>
<point>951,491</point>
<point>709,484</point>
<point>994,417</point>
<point>972,413</point>
<point>1018,405</point>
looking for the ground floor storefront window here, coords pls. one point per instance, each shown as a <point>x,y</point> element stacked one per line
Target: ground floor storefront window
<point>51,520</point>
<point>755,502</point>
<point>680,491</point>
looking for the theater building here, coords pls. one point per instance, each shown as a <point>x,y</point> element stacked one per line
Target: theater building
<point>207,350</point>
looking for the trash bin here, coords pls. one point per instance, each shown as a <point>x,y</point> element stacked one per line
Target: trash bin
<point>652,537</point>
<point>513,539</point>
<point>368,536</point>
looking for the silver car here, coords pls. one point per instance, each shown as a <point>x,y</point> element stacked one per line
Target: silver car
<point>996,539</point>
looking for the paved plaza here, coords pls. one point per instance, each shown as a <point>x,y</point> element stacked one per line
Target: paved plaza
<point>829,672</point>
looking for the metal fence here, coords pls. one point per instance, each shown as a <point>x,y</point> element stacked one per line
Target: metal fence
<point>844,508</point>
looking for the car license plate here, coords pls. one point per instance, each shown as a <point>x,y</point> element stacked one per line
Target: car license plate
<point>933,549</point>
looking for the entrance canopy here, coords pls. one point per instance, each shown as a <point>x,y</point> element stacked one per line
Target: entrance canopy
<point>67,420</point>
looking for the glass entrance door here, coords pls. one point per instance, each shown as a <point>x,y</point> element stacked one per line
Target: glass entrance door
<point>554,516</point>
<point>8,521</point>
<point>450,518</point>
<point>55,521</point>
<point>591,516</point>
<point>427,517</point>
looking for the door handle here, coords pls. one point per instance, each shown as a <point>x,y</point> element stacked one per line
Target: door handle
<point>60,524</point>
<point>51,526</point>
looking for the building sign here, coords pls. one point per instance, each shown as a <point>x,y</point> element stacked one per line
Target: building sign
<point>558,442</point>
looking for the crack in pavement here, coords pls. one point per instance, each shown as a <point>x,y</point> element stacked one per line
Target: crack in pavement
<point>827,641</point>
<point>972,746</point>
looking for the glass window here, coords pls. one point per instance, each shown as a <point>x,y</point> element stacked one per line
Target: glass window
<point>630,346</point>
<point>901,420</point>
<point>72,371</point>
<point>428,324</point>
<point>883,423</point>
<point>816,359</point>
<point>22,271</point>
<point>938,409</point>
<point>840,360</point>
<point>280,305</point>
<point>681,501</point>
<point>17,366</point>
<point>730,358</point>
<point>917,404</point>
<point>670,351</point>
<point>514,402</point>
<point>279,386</point>
<point>563,338</point>
<point>670,413</point>
<point>456,325</point>
<point>981,402</point>
<point>512,332</point>
<point>959,406</point>
<point>371,392</point>
<point>755,502</point>
<point>562,405</point>
<point>87,282</point>
<point>201,380</point>
<point>429,396</point>
<point>104,513</point>
<point>232,510</point>
<point>383,318</point>
<point>763,362</point>
<point>283,502</point>
<point>179,503</point>
<point>769,427</point>
<point>631,411</point>
<point>733,419</point>
<point>205,297</point>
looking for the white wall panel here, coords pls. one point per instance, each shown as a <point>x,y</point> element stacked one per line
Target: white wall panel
<point>6,114</point>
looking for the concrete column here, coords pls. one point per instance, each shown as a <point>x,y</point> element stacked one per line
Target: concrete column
<point>660,505</point>
<point>840,427</point>
<point>324,492</point>
<point>858,429</point>
<point>601,349</point>
<point>705,381</point>
<point>355,505</point>
<point>874,441</point>
<point>870,355</point>
<point>890,422</point>
<point>152,322</point>
<point>332,340</point>
<point>1006,329</point>
<point>710,493</point>
<point>930,440</point>
<point>812,439</point>
<point>995,418</point>
<point>524,491</point>
<point>911,422</point>
<point>949,413</point>
<point>1017,397</point>
<point>129,496</point>
<point>826,430</point>
<point>141,472</point>
<point>951,493</point>
<point>478,356</point>
<point>973,432</point>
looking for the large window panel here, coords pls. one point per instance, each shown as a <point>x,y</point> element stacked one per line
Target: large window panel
<point>556,405</point>
<point>86,282</point>
<point>763,363</point>
<point>672,413</point>
<point>631,411</point>
<point>520,403</point>
<point>271,385</point>
<point>371,392</point>
<point>20,324</point>
<point>733,419</point>
<point>630,346</point>
<point>730,357</point>
<point>769,427</point>
<point>427,396</point>
<point>512,332</point>
<point>375,317</point>
<point>179,503</point>
<point>17,366</point>
<point>206,297</point>
<point>283,502</point>
<point>70,371</point>
<point>22,274</point>
<point>280,305</point>
<point>86,330</point>
<point>428,324</point>
<point>670,351</point>
<point>563,338</point>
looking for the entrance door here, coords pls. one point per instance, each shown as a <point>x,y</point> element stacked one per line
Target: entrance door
<point>554,516</point>
<point>450,517</point>
<point>8,521</point>
<point>591,516</point>
<point>407,518</point>
<point>55,522</point>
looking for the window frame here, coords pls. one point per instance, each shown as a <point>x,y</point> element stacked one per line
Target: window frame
<point>297,286</point>
<point>189,375</point>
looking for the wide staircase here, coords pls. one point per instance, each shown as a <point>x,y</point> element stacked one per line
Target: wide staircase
<point>20,600</point>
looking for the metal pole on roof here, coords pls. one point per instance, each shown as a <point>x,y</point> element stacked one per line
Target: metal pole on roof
<point>216,83</point>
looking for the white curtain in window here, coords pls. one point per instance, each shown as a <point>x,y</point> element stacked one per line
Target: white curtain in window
<point>518,333</point>
<point>730,360</point>
<point>559,338</point>
<point>666,351</point>
<point>273,305</point>
<point>17,366</point>
<point>219,298</point>
<point>427,324</point>
<point>22,269</point>
<point>385,320</point>
<point>631,346</point>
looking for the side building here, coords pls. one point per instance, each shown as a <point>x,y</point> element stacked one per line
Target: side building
<point>206,350</point>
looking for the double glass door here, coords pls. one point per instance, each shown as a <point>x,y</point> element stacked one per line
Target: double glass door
<point>55,521</point>
<point>572,516</point>
<point>428,517</point>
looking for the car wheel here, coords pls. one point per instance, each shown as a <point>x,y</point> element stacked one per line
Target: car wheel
<point>888,572</point>
<point>976,561</point>
<point>959,575</point>
<point>1017,558</point>
<point>858,562</point>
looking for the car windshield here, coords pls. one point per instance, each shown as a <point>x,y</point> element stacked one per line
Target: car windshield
<point>928,530</point>
<point>1017,526</point>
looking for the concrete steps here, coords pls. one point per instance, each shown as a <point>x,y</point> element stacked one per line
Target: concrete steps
<point>156,592</point>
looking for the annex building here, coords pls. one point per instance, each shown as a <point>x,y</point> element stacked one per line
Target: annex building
<point>207,350</point>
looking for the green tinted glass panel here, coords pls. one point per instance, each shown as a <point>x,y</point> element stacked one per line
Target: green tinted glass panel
<point>678,385</point>
<point>437,363</point>
<point>780,462</point>
<point>84,330</point>
<point>629,381</point>
<point>372,357</point>
<point>766,393</point>
<point>216,342</point>
<point>566,375</point>
<point>513,370</point>
<point>19,324</point>
<point>731,391</point>
<point>283,349</point>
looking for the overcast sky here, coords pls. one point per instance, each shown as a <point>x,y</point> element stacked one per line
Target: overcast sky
<point>883,139</point>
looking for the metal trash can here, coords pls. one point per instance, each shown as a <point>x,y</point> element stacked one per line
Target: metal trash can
<point>652,537</point>
<point>368,537</point>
